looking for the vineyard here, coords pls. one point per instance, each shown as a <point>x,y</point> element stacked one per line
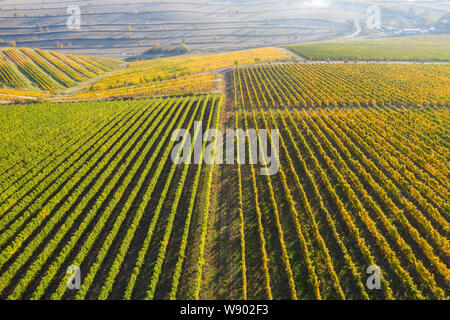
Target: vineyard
<point>105,198</point>
<point>356,187</point>
<point>157,70</point>
<point>340,84</point>
<point>193,84</point>
<point>12,95</point>
<point>362,180</point>
<point>412,48</point>
<point>48,70</point>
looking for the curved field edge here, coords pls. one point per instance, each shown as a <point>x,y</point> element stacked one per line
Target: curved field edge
<point>411,48</point>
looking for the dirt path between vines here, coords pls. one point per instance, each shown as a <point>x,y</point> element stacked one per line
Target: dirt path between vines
<point>80,86</point>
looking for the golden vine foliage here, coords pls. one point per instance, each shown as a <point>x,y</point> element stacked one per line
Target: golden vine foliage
<point>48,70</point>
<point>154,70</point>
<point>341,84</point>
<point>366,180</point>
<point>185,85</point>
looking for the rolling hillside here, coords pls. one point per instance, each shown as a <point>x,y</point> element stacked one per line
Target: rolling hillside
<point>48,70</point>
<point>413,48</point>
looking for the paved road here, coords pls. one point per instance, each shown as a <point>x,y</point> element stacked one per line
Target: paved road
<point>354,34</point>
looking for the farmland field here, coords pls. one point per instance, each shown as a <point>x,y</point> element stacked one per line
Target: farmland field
<point>222,155</point>
<point>412,48</point>
<point>48,70</point>
<point>140,72</point>
<point>89,196</point>
<point>356,187</point>
<point>190,84</point>
<point>175,75</point>
<point>322,84</point>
